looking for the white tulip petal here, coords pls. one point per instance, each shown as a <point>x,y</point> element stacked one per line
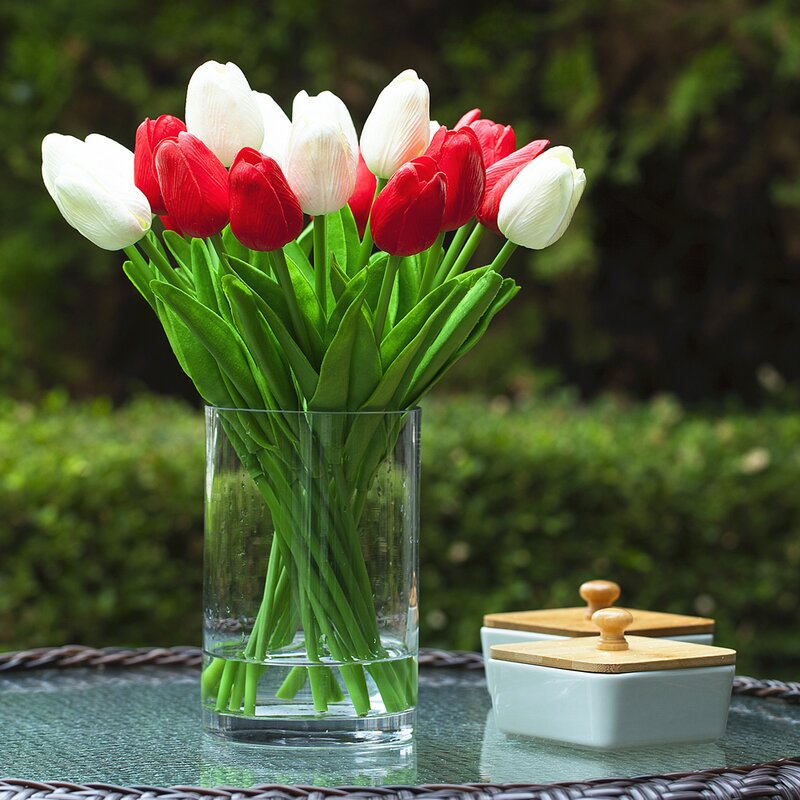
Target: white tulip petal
<point>434,127</point>
<point>277,128</point>
<point>579,184</point>
<point>398,127</point>
<point>536,203</point>
<point>58,151</point>
<point>222,111</point>
<point>98,213</point>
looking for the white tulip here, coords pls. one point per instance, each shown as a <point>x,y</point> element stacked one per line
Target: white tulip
<point>277,127</point>
<point>222,111</point>
<point>435,125</point>
<point>539,203</point>
<point>92,185</point>
<point>398,127</point>
<point>322,156</point>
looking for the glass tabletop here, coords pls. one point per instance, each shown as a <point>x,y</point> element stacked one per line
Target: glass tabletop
<point>141,726</point>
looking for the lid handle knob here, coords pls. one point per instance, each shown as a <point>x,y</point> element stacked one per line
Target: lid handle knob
<point>612,623</point>
<point>598,594</point>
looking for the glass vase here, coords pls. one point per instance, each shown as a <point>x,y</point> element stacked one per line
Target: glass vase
<point>310,631</point>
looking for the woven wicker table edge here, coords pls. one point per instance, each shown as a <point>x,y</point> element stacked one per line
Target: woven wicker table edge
<point>776,779</point>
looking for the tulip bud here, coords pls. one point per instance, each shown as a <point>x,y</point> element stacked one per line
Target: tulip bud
<point>398,127</point>
<point>148,136</point>
<point>277,127</point>
<point>499,177</point>
<point>265,214</point>
<point>322,156</point>
<point>194,185</point>
<point>92,185</point>
<point>458,155</point>
<point>360,201</point>
<point>222,110</point>
<point>407,214</point>
<point>538,206</point>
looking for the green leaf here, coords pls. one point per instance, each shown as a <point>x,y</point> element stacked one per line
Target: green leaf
<point>295,253</point>
<point>261,343</point>
<point>454,333</point>
<point>508,290</point>
<point>352,367</point>
<point>339,279</point>
<point>270,291</point>
<point>367,281</point>
<point>413,322</point>
<point>179,247</point>
<point>204,275</point>
<point>233,247</point>
<point>304,372</point>
<point>409,276</point>
<point>343,239</point>
<point>193,358</point>
<point>218,337</point>
<point>140,275</point>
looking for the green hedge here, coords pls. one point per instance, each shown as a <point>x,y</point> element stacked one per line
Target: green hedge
<point>101,519</point>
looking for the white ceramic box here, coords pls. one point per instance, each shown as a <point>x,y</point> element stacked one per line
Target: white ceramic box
<point>612,692</point>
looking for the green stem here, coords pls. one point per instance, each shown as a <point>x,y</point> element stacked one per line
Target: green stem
<point>157,257</point>
<point>366,243</point>
<point>387,285</point>
<point>431,265</point>
<point>466,254</point>
<point>502,257</point>
<point>292,683</point>
<point>281,269</point>
<point>321,262</point>
<point>453,250</point>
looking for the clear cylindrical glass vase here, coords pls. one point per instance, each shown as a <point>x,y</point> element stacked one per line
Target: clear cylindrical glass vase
<point>310,629</point>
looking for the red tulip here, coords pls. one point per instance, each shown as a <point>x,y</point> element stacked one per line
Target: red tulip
<point>499,177</point>
<point>458,155</point>
<point>497,141</point>
<point>169,224</point>
<point>194,185</point>
<point>360,201</point>
<point>148,136</point>
<point>468,118</point>
<point>407,214</point>
<point>265,212</point>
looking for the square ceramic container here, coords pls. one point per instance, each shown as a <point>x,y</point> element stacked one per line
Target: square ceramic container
<point>654,692</point>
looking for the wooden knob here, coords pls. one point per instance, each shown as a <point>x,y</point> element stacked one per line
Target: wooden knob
<point>598,594</point>
<point>612,623</point>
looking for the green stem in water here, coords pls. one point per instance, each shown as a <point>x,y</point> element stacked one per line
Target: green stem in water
<point>385,296</point>
<point>453,250</point>
<point>431,265</point>
<point>466,254</point>
<point>321,262</point>
<point>281,269</point>
<point>366,243</point>
<point>502,257</point>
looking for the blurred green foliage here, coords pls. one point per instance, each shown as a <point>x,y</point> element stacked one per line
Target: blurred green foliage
<point>679,272</point>
<point>101,519</point>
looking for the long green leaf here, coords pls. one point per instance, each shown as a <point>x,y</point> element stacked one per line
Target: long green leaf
<point>454,333</point>
<point>140,276</point>
<point>343,239</point>
<point>179,247</point>
<point>204,276</point>
<point>305,374</point>
<point>218,336</point>
<point>351,368</point>
<point>294,252</point>
<point>261,343</point>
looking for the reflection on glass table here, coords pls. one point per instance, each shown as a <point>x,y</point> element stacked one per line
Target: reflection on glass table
<point>142,726</point>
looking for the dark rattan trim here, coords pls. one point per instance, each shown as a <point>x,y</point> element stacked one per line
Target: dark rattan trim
<point>778,779</point>
<point>74,655</point>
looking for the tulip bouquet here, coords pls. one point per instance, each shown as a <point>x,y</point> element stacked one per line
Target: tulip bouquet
<point>364,307</point>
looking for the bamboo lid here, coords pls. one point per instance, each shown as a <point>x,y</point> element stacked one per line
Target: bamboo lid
<point>577,621</point>
<point>612,652</point>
